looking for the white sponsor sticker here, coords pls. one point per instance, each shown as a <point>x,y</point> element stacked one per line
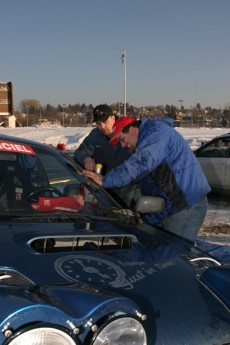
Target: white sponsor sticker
<point>15,147</point>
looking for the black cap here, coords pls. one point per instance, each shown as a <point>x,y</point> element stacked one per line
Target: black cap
<point>101,113</point>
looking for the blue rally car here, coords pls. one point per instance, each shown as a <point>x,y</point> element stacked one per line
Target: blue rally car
<point>76,268</point>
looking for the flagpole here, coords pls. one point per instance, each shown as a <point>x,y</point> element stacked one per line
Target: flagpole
<point>124,52</point>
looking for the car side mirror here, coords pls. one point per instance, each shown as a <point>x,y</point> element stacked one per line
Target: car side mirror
<point>150,204</point>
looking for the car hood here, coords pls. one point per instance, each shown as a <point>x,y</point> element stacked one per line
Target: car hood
<point>159,272</point>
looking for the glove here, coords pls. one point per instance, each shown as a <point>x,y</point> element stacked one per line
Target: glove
<point>125,215</point>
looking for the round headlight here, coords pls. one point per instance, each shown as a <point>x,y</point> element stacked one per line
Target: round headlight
<point>121,331</point>
<point>43,336</point>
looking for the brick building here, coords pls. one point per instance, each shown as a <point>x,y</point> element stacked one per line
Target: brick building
<point>6,98</point>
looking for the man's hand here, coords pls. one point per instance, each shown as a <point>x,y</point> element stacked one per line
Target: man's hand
<point>94,176</point>
<point>89,163</point>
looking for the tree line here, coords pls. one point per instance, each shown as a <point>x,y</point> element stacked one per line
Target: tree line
<point>32,112</point>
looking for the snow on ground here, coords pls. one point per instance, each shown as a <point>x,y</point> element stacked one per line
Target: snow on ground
<point>217,220</point>
<point>73,136</point>
<point>50,135</point>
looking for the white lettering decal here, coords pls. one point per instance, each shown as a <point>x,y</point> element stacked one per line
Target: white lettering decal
<point>14,147</point>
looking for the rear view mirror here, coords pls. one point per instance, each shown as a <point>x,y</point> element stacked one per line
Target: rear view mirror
<point>150,204</point>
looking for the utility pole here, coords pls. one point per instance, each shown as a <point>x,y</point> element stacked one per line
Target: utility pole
<point>181,101</point>
<point>63,115</point>
<point>123,58</point>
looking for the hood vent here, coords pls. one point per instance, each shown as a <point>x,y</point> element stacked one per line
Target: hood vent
<point>11,277</point>
<point>83,243</point>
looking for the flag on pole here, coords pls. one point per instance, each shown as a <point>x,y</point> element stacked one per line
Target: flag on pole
<point>123,56</point>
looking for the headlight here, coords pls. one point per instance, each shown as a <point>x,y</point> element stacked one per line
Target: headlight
<point>43,336</point>
<point>122,331</point>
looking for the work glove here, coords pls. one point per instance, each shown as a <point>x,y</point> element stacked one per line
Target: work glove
<point>126,216</point>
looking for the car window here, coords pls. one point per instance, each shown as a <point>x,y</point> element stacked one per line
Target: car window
<point>219,149</point>
<point>227,148</point>
<point>19,175</point>
<point>58,174</point>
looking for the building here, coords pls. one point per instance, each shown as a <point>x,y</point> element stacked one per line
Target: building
<point>6,98</point>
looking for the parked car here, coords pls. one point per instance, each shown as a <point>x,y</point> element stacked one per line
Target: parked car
<point>77,269</point>
<point>214,157</point>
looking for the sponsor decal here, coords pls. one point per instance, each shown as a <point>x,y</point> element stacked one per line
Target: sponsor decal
<point>15,147</point>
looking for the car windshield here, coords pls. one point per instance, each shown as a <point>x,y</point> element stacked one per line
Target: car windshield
<point>38,180</point>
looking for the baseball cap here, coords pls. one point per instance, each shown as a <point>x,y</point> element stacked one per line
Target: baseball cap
<point>119,125</point>
<point>101,112</point>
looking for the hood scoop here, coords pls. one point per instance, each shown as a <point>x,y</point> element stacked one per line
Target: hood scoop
<point>83,243</point>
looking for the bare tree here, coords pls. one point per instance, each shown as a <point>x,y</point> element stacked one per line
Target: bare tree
<point>33,104</point>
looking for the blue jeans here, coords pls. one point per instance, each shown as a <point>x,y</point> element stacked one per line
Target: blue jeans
<point>187,223</point>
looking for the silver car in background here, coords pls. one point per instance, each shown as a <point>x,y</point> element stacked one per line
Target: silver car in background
<point>214,158</point>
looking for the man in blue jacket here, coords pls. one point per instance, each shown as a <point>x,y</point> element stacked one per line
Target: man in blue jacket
<point>95,148</point>
<point>165,166</point>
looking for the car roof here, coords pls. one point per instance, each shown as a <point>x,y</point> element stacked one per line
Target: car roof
<point>22,140</point>
<point>226,135</point>
<point>222,136</point>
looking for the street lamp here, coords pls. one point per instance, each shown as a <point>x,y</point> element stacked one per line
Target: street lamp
<point>63,118</point>
<point>27,108</point>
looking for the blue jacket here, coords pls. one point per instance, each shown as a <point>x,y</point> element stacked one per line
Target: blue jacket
<point>165,166</point>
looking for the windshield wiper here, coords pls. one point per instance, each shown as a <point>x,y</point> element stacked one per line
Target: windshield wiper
<point>54,217</point>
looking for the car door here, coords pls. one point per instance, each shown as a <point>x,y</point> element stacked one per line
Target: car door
<point>215,165</point>
<point>215,171</point>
